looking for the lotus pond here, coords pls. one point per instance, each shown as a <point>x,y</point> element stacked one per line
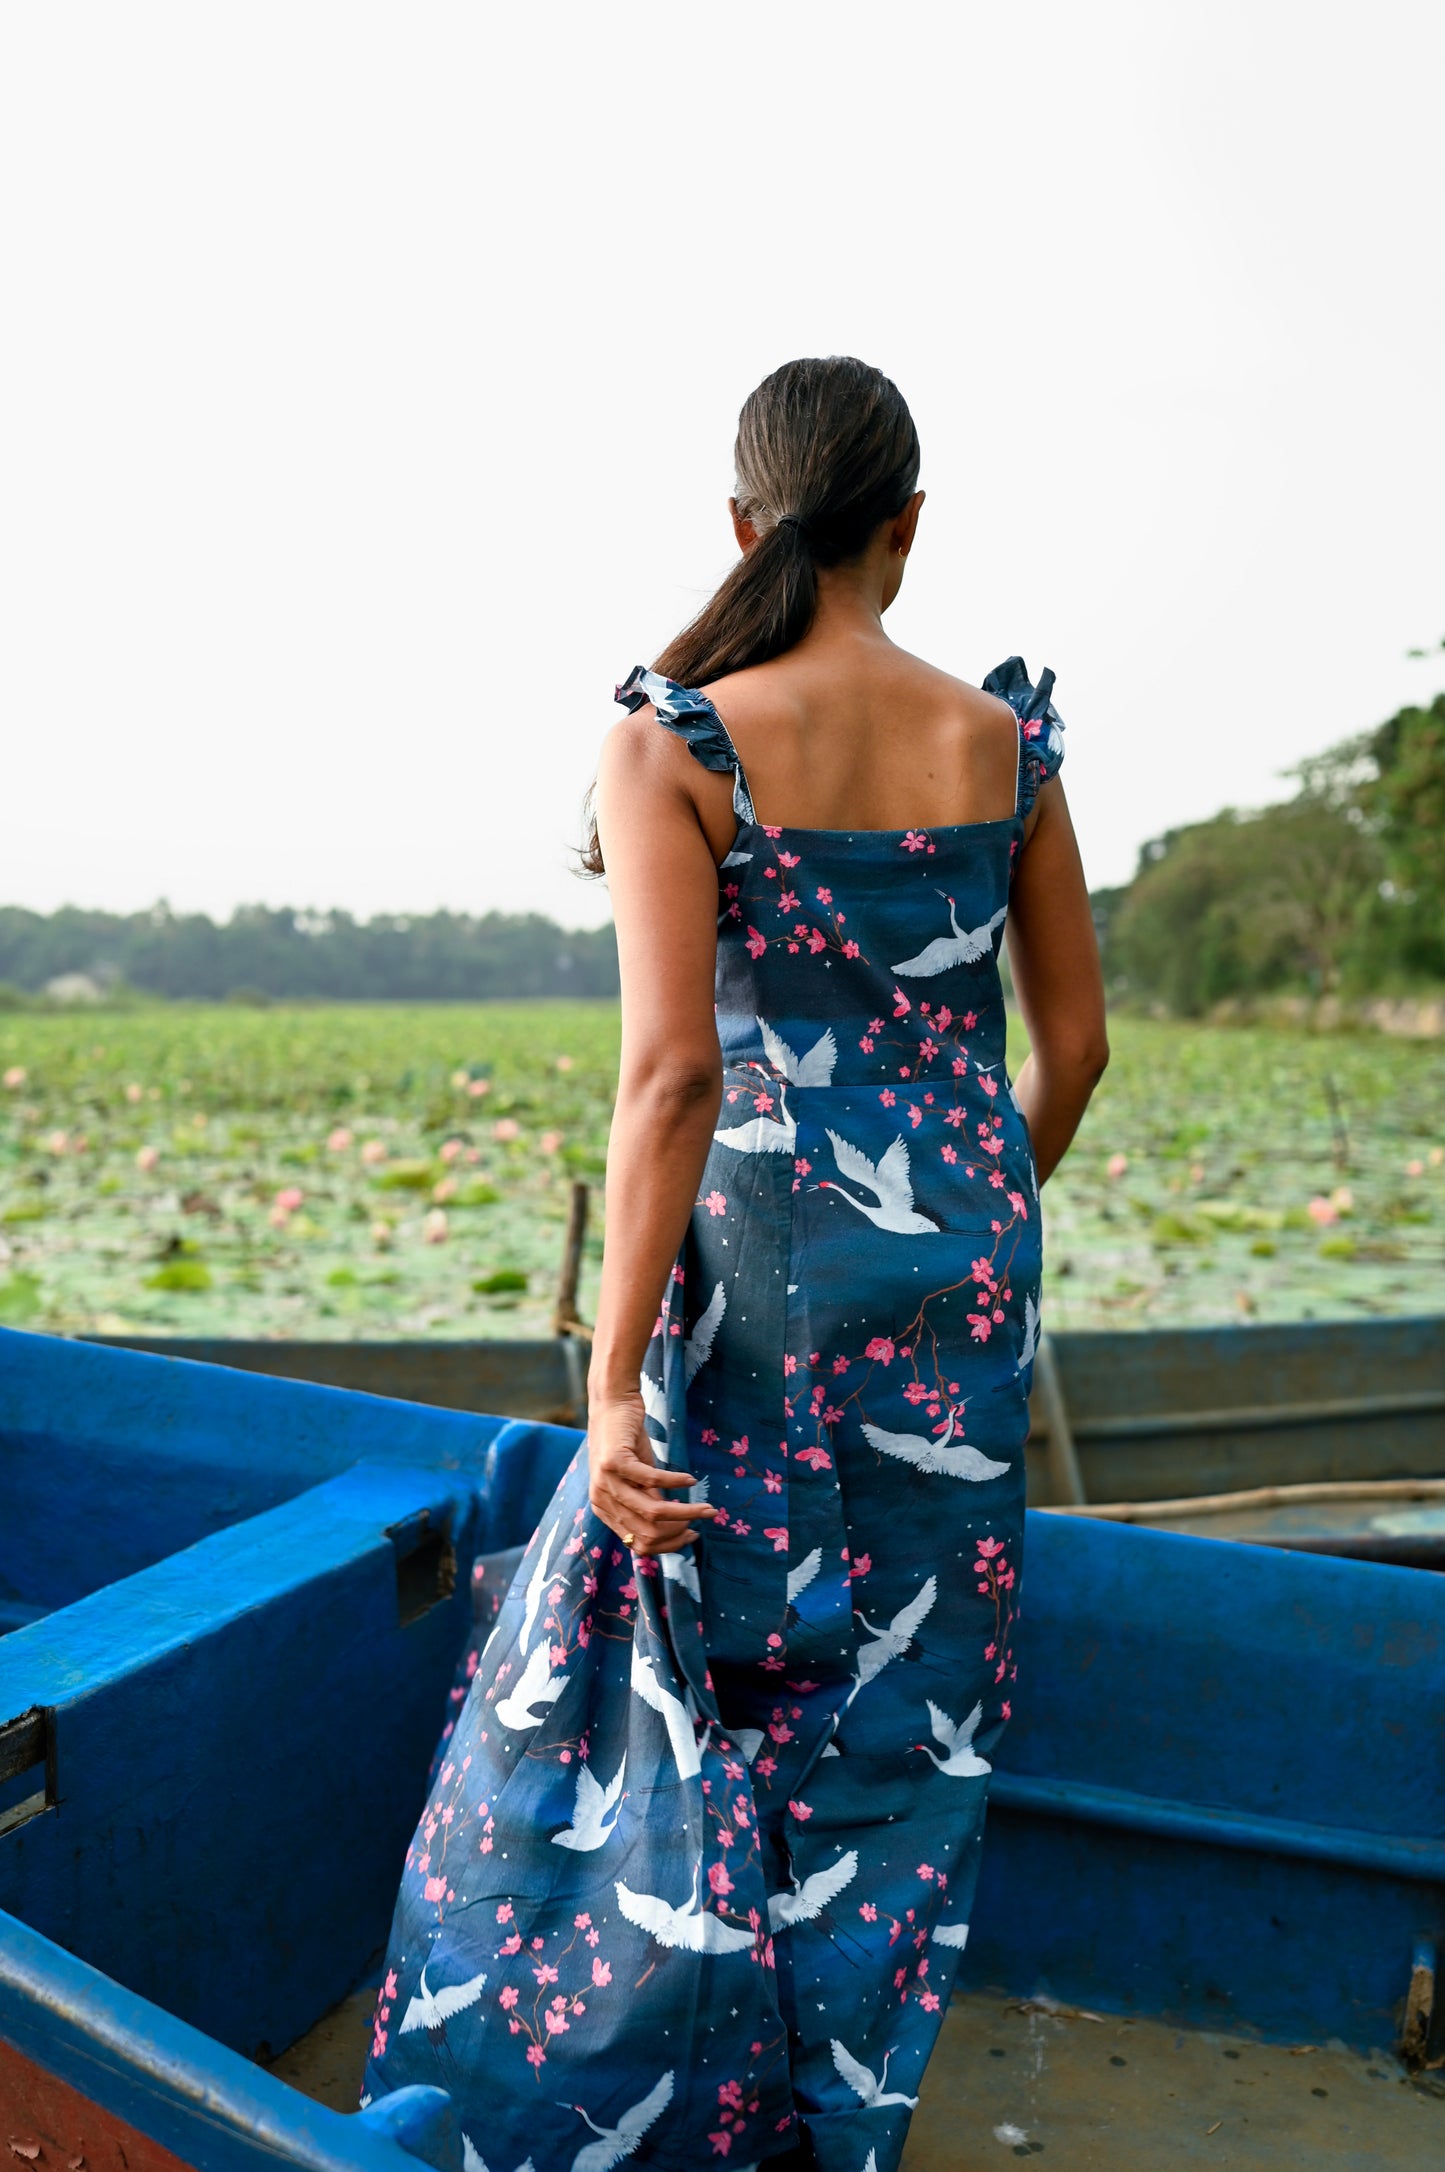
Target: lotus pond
<point>406,1170</point>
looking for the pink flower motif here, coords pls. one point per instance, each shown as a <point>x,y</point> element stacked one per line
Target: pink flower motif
<point>888,1097</point>
<point>915,841</point>
<point>756,943</point>
<point>901,1004</point>
<point>981,1325</point>
<point>825,897</point>
<point>868,1912</point>
<point>915,1114</point>
<point>507,1997</point>
<point>950,1153</point>
<point>788,901</point>
<point>535,2055</point>
<point>504,1913</point>
<point>545,1973</point>
<point>1322,1211</point>
<point>719,1880</point>
<point>778,1533</point>
<point>802,1811</point>
<point>716,1203</point>
<point>850,949</point>
<point>818,1459</point>
<point>804,1168</point>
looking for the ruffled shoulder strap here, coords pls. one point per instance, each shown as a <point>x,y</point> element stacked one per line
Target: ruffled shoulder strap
<point>1041,728</point>
<point>693,718</point>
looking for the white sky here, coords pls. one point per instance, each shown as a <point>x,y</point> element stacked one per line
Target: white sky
<point>369,377</point>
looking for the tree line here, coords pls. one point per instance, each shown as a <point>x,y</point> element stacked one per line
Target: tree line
<point>262,955</point>
<point>1338,890</point>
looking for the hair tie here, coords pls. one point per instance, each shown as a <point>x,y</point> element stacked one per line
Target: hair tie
<point>793,520</point>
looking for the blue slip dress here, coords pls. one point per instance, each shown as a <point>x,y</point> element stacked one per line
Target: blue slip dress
<point>695,1872</point>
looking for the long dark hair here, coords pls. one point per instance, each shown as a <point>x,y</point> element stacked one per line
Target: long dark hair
<point>826,451</point>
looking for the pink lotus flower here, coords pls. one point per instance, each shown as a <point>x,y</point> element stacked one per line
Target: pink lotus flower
<point>549,1142</point>
<point>1414,1168</point>
<point>278,1217</point>
<point>133,1092</point>
<point>339,1140</point>
<point>1116,1165</point>
<point>450,1150</point>
<point>434,1228</point>
<point>373,1153</point>
<point>147,1158</point>
<point>564,1063</point>
<point>15,1078</point>
<point>444,1189</point>
<point>56,1142</point>
<point>1322,1211</point>
<point>476,1087</point>
<point>290,1198</point>
<point>506,1127</point>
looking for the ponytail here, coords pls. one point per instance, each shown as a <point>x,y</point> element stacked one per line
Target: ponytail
<point>826,451</point>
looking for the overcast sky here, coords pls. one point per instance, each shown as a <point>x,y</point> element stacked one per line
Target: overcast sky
<point>369,380</point>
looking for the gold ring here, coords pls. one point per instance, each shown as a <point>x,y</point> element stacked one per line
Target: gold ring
<point>629,1538</point>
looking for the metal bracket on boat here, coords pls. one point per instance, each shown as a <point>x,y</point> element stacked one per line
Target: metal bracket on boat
<point>1419,2006</point>
<point>27,1767</point>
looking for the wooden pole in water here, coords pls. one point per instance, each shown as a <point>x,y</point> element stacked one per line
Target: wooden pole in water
<point>564,1318</point>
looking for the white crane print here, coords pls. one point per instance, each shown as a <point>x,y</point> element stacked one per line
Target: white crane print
<point>674,1713</point>
<point>622,2140</point>
<point>950,1934</point>
<point>762,1135</point>
<point>814,1069</point>
<point>537,1685</point>
<point>965,946</point>
<point>935,1456</point>
<point>961,1760</point>
<point>811,1896</point>
<point>1030,1348</point>
<point>691,1926</point>
<point>800,1577</point>
<point>536,1585</point>
<point>432,2010</point>
<point>888,1179</point>
<point>893,1642</point>
<point>473,2160</point>
<point>864,2083</point>
<point>593,1802</point>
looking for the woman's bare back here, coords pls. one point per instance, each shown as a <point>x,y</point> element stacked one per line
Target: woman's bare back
<point>852,733</point>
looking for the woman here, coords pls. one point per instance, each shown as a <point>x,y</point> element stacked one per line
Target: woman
<point>695,1877</point>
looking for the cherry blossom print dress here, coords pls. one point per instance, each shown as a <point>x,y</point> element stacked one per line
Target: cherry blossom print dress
<point>695,1872</point>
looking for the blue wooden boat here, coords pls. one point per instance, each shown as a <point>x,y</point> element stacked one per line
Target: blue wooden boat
<point>1132,1415</point>
<point>1222,1799</point>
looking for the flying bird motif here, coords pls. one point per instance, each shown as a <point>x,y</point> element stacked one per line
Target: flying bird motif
<point>934,1455</point>
<point>864,2083</point>
<point>950,1934</point>
<point>432,2010</point>
<point>1030,1348</point>
<point>762,1135</point>
<point>800,1577</point>
<point>961,1760</point>
<point>693,1927</point>
<point>893,1642</point>
<point>536,1685</point>
<point>888,1179</point>
<point>680,1732</point>
<point>473,2161</point>
<point>536,1585</point>
<point>591,1826</point>
<point>965,946</point>
<point>811,1896</point>
<point>814,1069</point>
<point>622,2140</point>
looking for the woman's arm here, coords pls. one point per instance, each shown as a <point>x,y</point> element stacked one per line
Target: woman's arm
<point>663,882</point>
<point>1054,957</point>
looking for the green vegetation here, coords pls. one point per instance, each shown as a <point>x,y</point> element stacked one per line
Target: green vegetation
<point>259,956</point>
<point>1340,890</point>
<point>405,1171</point>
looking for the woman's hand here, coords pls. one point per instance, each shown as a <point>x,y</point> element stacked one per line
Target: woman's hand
<point>628,1483</point>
